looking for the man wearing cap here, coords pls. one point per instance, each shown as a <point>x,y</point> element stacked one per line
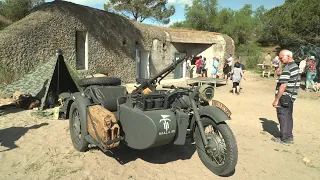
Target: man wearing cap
<point>311,72</point>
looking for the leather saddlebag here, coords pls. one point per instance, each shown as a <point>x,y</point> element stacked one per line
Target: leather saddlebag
<point>102,126</point>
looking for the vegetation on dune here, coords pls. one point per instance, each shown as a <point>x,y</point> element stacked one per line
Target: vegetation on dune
<point>291,25</point>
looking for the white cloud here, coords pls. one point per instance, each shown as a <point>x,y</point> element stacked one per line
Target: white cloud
<point>101,2</point>
<point>86,2</point>
<point>89,2</point>
<point>180,2</point>
<point>171,1</point>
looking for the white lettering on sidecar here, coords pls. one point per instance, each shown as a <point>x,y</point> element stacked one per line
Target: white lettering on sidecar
<point>166,126</point>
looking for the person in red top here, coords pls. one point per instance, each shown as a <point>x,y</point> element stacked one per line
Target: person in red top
<point>198,63</point>
<point>311,72</point>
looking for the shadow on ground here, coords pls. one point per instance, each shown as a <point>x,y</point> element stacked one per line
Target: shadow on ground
<point>270,126</point>
<point>9,136</point>
<point>156,155</point>
<point>8,109</point>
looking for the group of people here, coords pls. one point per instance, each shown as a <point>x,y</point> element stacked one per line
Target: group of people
<point>202,66</point>
<point>287,87</point>
<point>307,68</point>
<point>234,71</point>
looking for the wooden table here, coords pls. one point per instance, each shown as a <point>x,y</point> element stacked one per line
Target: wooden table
<point>206,80</point>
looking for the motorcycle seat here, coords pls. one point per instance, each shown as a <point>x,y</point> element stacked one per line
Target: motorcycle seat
<point>107,96</point>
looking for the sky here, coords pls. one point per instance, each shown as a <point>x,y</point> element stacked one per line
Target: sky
<point>179,6</point>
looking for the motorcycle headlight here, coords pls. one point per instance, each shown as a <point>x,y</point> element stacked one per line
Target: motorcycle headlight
<point>206,92</point>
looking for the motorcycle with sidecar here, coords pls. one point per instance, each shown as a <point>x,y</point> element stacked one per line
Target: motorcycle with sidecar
<point>106,115</point>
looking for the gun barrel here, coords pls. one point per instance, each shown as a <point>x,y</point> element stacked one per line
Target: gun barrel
<point>168,69</point>
<point>160,75</point>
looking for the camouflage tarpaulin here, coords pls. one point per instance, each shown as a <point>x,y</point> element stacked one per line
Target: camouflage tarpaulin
<point>53,75</point>
<point>309,50</point>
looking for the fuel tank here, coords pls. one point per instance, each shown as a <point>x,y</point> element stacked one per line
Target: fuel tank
<point>146,129</point>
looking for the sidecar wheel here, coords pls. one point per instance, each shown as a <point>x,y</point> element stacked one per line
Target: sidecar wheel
<point>222,156</point>
<point>76,131</point>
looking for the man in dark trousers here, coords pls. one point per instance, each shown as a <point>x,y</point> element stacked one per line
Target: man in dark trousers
<point>288,84</point>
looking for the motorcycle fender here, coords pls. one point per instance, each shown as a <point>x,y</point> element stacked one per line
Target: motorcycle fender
<point>216,114</point>
<point>183,123</point>
<point>82,103</point>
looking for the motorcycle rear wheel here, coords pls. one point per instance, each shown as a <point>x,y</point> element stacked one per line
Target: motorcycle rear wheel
<point>222,156</point>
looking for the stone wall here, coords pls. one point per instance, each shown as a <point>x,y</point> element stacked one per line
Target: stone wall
<point>159,56</point>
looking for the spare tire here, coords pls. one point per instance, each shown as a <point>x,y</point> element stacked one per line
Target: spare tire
<point>109,81</point>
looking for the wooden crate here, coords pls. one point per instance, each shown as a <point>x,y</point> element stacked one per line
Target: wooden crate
<point>105,124</point>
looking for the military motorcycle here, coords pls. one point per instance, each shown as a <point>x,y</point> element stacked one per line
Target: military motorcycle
<point>106,115</point>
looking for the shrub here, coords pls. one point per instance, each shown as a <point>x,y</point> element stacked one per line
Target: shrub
<point>250,54</point>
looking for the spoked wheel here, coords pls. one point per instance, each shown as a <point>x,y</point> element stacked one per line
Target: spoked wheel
<point>76,131</point>
<point>221,156</point>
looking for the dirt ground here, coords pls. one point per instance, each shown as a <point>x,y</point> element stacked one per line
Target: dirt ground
<point>40,148</point>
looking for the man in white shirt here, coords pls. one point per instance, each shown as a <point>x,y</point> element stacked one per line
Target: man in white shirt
<point>302,65</point>
<point>188,67</point>
<point>230,62</point>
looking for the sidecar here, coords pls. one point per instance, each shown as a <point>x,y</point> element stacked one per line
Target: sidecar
<point>106,115</point>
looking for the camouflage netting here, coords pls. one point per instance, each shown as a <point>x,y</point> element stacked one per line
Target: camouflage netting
<point>309,50</point>
<point>54,75</point>
<point>32,40</point>
<point>147,33</point>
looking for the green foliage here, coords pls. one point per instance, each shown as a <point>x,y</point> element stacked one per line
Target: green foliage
<point>3,24</point>
<point>243,25</point>
<point>142,9</point>
<point>250,54</point>
<point>201,14</point>
<point>17,9</point>
<point>292,24</point>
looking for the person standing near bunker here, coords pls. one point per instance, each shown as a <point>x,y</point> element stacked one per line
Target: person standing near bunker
<point>286,93</point>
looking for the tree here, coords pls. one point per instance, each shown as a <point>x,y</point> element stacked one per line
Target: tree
<point>142,9</point>
<point>17,9</point>
<point>292,24</point>
<point>200,14</point>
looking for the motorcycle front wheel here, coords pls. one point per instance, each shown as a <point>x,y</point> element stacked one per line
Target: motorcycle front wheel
<point>221,156</point>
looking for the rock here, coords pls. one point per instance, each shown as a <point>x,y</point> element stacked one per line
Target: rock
<point>306,160</point>
<point>4,102</point>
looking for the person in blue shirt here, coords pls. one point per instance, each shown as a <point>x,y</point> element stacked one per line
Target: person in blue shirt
<point>215,67</point>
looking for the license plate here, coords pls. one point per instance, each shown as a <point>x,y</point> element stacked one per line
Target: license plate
<point>221,106</point>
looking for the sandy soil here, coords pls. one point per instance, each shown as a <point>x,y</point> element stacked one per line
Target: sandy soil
<point>33,148</point>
